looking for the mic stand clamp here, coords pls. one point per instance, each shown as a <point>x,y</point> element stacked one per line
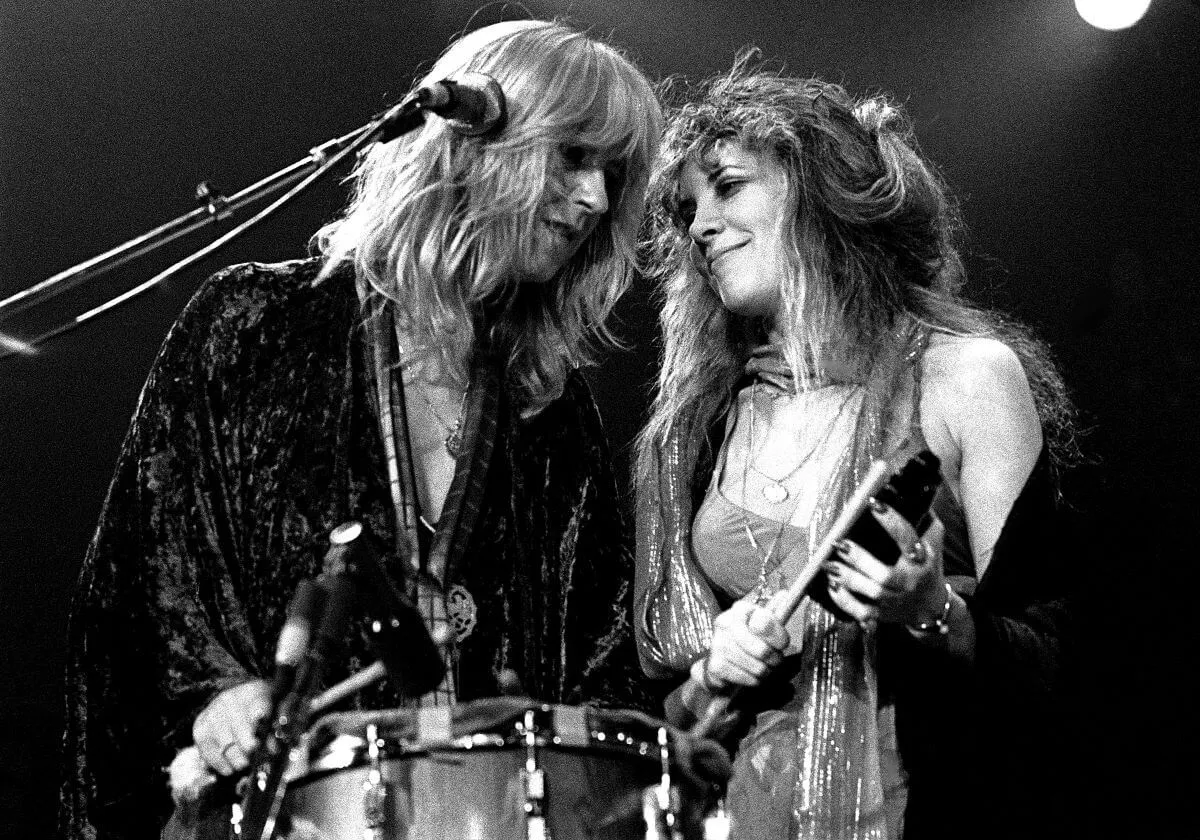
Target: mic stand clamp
<point>210,197</point>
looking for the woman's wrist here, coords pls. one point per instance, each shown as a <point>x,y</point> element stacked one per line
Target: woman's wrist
<point>937,621</point>
<point>952,629</point>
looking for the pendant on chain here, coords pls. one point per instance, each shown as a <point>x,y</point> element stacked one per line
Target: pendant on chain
<point>461,612</point>
<point>454,441</point>
<point>775,493</point>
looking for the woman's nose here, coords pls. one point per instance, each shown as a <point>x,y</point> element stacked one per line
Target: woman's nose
<point>589,190</point>
<point>705,224</point>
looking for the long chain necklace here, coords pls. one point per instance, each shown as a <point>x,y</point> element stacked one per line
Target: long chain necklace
<point>764,567</point>
<point>775,490</point>
<point>453,439</point>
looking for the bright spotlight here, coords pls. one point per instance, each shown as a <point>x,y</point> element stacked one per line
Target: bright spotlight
<point>1112,14</point>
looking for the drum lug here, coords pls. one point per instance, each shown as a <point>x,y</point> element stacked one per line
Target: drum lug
<point>661,813</point>
<point>716,824</point>
<point>376,795</point>
<point>533,783</point>
<point>661,806</point>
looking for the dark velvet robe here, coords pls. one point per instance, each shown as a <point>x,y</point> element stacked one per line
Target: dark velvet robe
<point>255,435</point>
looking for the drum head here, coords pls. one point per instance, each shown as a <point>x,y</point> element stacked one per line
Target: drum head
<point>477,771</point>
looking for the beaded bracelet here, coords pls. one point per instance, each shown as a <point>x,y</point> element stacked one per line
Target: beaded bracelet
<point>941,624</point>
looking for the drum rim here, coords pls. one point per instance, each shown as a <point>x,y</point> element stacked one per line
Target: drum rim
<point>347,751</point>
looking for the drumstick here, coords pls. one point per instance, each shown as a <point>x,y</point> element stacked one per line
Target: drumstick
<point>785,602</point>
<point>373,673</point>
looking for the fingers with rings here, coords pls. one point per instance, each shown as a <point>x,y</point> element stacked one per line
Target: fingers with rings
<point>898,528</point>
<point>915,549</point>
<point>918,554</point>
<point>224,732</point>
<point>857,569</point>
<point>850,589</point>
<point>849,603</point>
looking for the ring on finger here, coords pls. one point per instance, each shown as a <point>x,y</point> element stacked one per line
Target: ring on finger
<point>919,552</point>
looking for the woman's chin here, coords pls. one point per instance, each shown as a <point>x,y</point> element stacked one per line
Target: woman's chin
<point>749,306</point>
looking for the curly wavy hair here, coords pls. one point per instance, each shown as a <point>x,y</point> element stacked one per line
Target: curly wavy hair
<point>439,222</point>
<point>872,247</point>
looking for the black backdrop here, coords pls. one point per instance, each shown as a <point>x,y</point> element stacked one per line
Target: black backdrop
<point>1075,152</point>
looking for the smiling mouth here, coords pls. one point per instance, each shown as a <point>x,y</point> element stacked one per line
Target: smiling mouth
<point>564,231</point>
<point>717,256</point>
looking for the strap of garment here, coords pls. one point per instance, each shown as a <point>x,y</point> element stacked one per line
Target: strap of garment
<point>392,413</point>
<point>915,355</point>
<point>431,563</point>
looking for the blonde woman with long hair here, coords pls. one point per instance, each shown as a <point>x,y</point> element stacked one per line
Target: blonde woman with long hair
<point>421,375</point>
<point>812,323</point>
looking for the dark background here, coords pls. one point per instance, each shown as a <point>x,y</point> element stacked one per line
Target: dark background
<point>1075,152</point>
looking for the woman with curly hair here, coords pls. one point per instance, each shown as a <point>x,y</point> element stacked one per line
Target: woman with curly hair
<point>420,375</point>
<point>812,323</point>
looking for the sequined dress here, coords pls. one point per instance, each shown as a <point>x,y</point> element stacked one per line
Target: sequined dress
<point>872,736</point>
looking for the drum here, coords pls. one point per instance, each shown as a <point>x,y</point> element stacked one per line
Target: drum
<point>495,769</point>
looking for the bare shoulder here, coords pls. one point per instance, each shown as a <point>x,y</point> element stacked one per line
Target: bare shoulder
<point>976,402</point>
<point>973,368</point>
<point>979,417</point>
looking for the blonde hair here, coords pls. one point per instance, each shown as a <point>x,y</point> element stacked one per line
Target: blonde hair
<point>439,221</point>
<point>871,255</point>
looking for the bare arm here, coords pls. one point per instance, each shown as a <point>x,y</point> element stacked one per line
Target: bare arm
<point>979,417</point>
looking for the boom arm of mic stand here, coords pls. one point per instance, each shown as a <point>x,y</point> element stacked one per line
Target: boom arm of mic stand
<point>361,140</point>
<point>182,226</point>
<point>10,345</point>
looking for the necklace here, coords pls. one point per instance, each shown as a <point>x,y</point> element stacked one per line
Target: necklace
<point>775,491</point>
<point>764,557</point>
<point>775,496</point>
<point>453,439</point>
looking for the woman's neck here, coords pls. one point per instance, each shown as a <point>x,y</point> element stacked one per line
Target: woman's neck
<point>837,364</point>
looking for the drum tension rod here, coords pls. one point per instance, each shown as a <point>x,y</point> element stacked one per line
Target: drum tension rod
<point>375,790</point>
<point>533,778</point>
<point>660,802</point>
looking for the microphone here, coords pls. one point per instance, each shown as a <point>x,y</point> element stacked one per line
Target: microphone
<point>295,636</point>
<point>332,595</point>
<point>398,632</point>
<point>335,621</point>
<point>473,104</point>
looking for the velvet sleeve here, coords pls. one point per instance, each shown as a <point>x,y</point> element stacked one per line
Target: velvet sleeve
<point>989,737</point>
<point>158,624</point>
<point>602,668</point>
<point>1022,607</point>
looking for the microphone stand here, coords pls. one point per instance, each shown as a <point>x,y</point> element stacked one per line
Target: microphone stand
<point>216,208</point>
<point>352,574</point>
<point>321,160</point>
<point>288,721</point>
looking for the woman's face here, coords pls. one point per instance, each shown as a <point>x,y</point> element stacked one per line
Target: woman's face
<point>734,202</point>
<point>570,213</point>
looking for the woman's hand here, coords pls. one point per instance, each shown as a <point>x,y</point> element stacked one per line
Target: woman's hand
<point>912,592</point>
<point>224,730</point>
<point>747,643</point>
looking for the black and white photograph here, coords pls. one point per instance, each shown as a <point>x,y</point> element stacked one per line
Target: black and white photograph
<point>689,420</point>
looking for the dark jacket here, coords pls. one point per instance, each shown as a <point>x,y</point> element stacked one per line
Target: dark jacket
<point>255,435</point>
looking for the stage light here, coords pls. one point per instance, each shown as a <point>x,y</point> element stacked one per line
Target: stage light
<point>1112,14</point>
